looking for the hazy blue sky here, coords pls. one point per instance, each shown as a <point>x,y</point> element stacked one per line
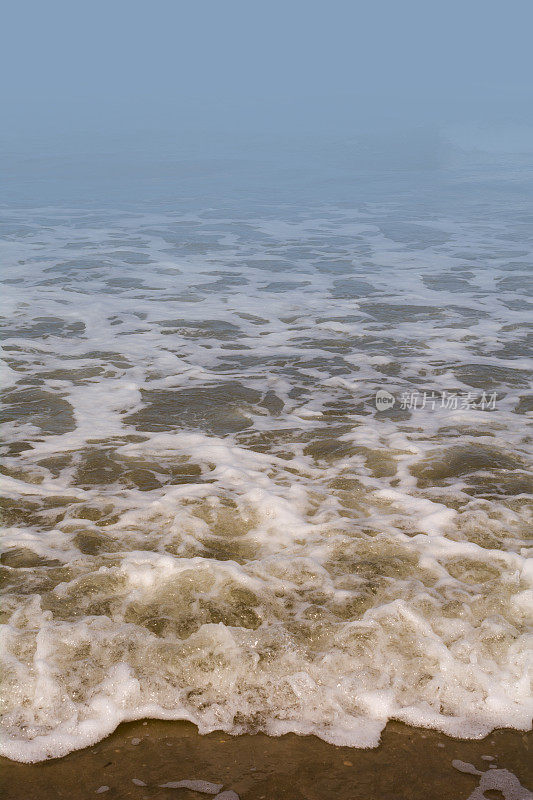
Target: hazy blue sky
<point>230,66</point>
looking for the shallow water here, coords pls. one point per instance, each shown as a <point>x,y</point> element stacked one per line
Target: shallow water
<point>207,516</point>
<point>139,758</point>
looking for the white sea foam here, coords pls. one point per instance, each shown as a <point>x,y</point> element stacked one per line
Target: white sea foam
<point>206,518</point>
<point>500,780</point>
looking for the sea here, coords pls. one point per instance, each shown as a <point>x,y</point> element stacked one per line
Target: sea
<point>266,455</point>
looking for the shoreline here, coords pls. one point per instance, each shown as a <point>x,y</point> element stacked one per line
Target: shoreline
<point>409,764</point>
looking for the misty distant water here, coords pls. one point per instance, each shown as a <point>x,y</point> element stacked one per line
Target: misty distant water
<point>208,517</point>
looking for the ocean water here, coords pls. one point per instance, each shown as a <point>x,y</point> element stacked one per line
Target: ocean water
<point>207,514</point>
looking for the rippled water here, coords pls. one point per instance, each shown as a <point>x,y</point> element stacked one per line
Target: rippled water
<point>207,517</point>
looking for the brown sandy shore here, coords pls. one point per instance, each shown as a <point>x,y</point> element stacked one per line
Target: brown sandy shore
<point>410,764</point>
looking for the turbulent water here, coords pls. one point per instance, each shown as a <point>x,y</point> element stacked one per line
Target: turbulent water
<point>207,515</point>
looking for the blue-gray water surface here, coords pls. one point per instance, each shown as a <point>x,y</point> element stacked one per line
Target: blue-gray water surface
<point>267,457</point>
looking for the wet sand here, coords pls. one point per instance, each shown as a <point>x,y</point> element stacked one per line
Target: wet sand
<point>410,764</point>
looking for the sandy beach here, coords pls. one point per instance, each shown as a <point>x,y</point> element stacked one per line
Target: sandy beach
<point>410,764</point>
